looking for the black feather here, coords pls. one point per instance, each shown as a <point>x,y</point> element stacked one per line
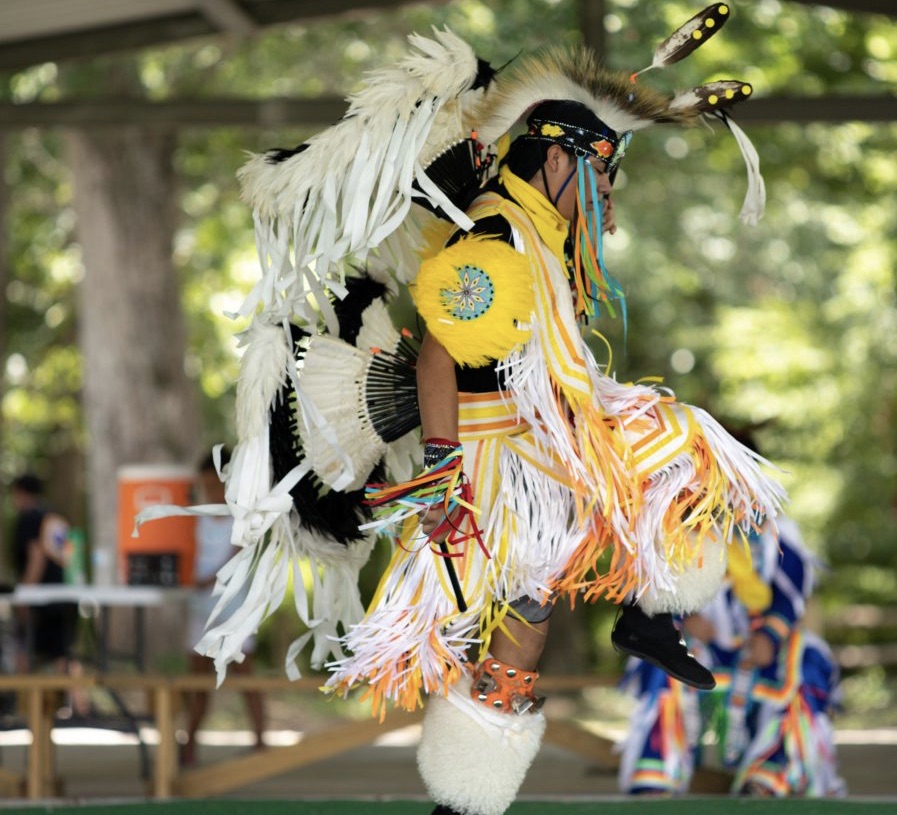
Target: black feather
<point>692,34</point>
<point>331,514</point>
<point>391,392</point>
<point>459,172</point>
<point>485,74</point>
<point>363,290</point>
<point>276,155</point>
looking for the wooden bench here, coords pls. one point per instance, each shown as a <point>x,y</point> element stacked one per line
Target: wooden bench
<point>163,696</point>
<point>237,772</point>
<point>234,773</point>
<point>39,693</point>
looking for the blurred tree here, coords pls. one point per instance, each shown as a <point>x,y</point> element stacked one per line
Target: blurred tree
<point>4,279</point>
<point>138,403</point>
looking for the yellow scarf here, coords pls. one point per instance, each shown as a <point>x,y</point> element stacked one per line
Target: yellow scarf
<point>544,232</point>
<point>552,227</point>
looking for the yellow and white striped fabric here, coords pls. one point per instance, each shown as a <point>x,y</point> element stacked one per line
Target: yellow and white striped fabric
<point>482,415</point>
<point>658,438</point>
<point>543,244</point>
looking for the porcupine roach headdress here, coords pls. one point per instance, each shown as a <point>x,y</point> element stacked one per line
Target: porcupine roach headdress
<point>619,104</point>
<point>320,403</point>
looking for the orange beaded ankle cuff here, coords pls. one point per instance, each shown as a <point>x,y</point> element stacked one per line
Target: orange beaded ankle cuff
<point>503,687</point>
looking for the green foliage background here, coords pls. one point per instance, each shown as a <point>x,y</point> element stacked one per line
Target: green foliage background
<point>791,325</point>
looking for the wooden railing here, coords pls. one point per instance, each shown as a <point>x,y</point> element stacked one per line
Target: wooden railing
<point>40,695</point>
<point>882,620</point>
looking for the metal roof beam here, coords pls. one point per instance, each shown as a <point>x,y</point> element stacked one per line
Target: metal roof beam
<point>317,113</point>
<point>160,31</point>
<point>229,16</point>
<point>109,39</point>
<point>886,7</point>
<point>805,109</point>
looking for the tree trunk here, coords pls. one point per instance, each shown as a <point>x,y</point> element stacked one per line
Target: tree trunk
<point>4,322</point>
<point>139,405</point>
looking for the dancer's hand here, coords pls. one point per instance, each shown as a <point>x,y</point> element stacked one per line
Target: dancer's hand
<point>431,520</point>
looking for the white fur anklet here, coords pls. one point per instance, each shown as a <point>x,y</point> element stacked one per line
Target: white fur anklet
<point>474,759</point>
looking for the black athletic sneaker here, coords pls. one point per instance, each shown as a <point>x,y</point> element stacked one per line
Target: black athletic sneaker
<point>657,640</point>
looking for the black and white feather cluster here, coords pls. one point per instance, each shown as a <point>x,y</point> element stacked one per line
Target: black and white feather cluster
<point>368,395</point>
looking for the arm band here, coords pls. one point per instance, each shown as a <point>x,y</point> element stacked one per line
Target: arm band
<point>435,450</point>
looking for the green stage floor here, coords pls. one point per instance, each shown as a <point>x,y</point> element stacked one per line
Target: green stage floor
<point>678,806</point>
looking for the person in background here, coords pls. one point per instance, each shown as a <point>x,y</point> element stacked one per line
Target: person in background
<point>213,550</point>
<point>45,633</point>
<point>768,717</point>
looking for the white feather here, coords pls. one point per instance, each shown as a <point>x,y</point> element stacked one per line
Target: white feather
<point>377,330</point>
<point>339,441</point>
<point>353,184</point>
<point>263,369</point>
<point>755,196</point>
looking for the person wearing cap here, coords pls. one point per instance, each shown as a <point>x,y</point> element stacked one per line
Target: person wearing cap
<point>46,634</point>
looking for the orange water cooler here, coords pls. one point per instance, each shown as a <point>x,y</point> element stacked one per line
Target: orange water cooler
<point>162,553</point>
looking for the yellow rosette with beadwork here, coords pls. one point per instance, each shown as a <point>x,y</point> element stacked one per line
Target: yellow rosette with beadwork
<point>476,298</point>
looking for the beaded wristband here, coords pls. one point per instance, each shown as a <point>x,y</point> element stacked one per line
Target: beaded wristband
<point>435,450</point>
